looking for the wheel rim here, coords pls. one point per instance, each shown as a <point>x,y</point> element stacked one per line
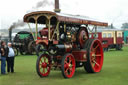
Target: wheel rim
<point>69,66</point>
<point>31,47</point>
<point>15,51</point>
<point>96,56</point>
<point>44,65</point>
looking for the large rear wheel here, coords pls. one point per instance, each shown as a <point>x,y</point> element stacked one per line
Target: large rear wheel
<point>43,65</point>
<point>94,56</point>
<point>68,66</point>
<point>118,46</point>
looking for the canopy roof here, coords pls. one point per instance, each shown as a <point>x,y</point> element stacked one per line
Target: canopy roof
<point>66,18</point>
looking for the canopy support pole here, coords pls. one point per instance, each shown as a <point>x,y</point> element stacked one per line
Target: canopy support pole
<point>31,31</point>
<point>49,38</point>
<point>36,30</point>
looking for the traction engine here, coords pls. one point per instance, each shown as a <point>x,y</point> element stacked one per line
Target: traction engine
<point>66,44</point>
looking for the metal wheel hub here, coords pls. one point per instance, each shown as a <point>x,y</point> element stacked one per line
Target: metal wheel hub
<point>68,65</point>
<point>44,65</point>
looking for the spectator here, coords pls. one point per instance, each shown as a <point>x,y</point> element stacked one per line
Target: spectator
<point>0,51</point>
<point>10,58</point>
<point>4,54</point>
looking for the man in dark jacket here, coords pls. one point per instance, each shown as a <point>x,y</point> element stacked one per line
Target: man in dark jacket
<point>4,54</point>
<point>0,52</point>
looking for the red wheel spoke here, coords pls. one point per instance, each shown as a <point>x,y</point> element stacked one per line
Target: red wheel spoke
<point>92,58</point>
<point>66,62</point>
<point>40,64</point>
<point>92,53</point>
<point>96,63</point>
<point>96,47</point>
<point>40,68</point>
<point>70,70</point>
<point>44,59</point>
<point>70,60</point>
<point>43,70</point>
<point>66,71</point>
<point>98,55</point>
<point>41,60</point>
<point>66,59</point>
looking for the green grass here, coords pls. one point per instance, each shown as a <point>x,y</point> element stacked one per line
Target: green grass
<point>114,72</point>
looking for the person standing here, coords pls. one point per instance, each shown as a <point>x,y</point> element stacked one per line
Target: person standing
<point>4,54</point>
<point>10,58</point>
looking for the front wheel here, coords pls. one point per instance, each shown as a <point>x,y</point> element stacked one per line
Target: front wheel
<point>119,47</point>
<point>68,66</point>
<point>31,47</point>
<point>94,56</point>
<point>43,65</point>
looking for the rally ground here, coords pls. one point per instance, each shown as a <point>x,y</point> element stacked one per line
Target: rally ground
<point>114,72</point>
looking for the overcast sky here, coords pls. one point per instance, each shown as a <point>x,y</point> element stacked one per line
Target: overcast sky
<point>111,11</point>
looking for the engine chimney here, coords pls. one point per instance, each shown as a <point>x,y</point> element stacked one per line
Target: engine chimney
<point>57,6</point>
<point>10,35</point>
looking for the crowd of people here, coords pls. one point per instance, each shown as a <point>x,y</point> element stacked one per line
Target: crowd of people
<point>7,55</point>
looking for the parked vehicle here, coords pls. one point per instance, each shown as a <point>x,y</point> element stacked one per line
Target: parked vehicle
<point>24,43</point>
<point>126,36</point>
<point>67,44</point>
<point>110,38</point>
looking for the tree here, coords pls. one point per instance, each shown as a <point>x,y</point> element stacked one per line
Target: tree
<point>111,26</point>
<point>125,26</point>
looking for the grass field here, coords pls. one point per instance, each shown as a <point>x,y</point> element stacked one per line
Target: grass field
<point>114,72</point>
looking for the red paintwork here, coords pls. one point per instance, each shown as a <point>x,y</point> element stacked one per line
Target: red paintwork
<point>119,40</point>
<point>63,18</point>
<point>45,42</point>
<point>44,32</point>
<point>38,38</point>
<point>99,35</point>
<point>44,36</point>
<point>55,42</point>
<point>109,40</point>
<point>79,55</point>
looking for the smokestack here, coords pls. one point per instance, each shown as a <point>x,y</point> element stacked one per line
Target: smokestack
<point>19,23</point>
<point>10,35</point>
<point>57,6</point>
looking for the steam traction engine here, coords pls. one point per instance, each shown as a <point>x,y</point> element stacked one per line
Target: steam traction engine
<point>24,43</point>
<point>67,44</point>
